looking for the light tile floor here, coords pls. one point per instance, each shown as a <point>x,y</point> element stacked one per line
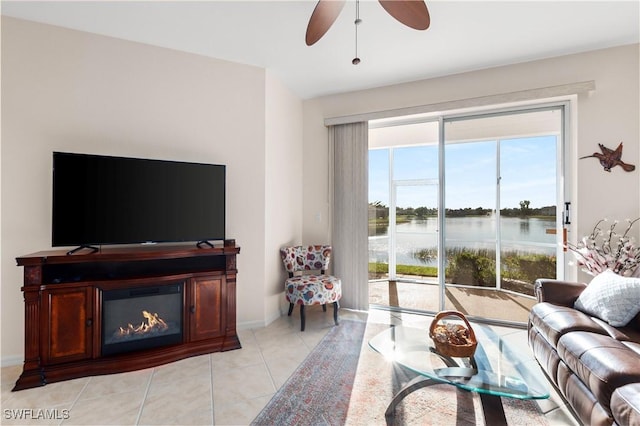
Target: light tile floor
<point>228,388</point>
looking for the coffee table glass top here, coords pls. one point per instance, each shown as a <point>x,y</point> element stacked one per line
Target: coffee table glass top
<point>494,369</point>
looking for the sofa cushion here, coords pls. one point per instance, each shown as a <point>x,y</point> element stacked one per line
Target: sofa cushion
<point>544,352</point>
<point>623,334</point>
<point>612,298</point>
<point>584,404</point>
<point>625,405</point>
<point>552,321</point>
<point>634,347</point>
<point>635,322</point>
<point>601,363</point>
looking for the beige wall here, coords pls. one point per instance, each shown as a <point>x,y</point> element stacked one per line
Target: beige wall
<point>68,90</point>
<point>73,91</point>
<point>283,186</point>
<point>607,116</point>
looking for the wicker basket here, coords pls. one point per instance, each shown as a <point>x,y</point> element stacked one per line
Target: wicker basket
<point>453,340</point>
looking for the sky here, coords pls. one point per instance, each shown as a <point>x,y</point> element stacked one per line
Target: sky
<point>527,172</point>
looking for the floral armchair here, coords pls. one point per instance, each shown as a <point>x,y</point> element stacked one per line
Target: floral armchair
<point>303,287</point>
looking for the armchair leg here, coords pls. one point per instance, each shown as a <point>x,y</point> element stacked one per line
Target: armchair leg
<point>335,312</point>
<point>324,308</point>
<point>301,317</point>
<point>290,309</point>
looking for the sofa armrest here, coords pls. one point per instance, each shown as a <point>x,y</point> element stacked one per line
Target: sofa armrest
<point>625,404</point>
<point>558,292</point>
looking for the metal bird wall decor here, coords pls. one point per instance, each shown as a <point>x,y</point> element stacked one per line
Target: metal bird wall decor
<point>610,158</point>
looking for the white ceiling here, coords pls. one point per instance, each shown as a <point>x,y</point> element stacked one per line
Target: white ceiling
<point>464,35</point>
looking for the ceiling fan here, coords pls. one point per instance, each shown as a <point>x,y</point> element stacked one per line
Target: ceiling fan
<point>412,13</point>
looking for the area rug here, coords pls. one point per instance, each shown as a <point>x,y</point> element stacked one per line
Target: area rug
<point>318,392</point>
<point>378,380</point>
<point>344,382</point>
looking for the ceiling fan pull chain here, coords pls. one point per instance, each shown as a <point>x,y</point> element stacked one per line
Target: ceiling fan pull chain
<point>357,22</point>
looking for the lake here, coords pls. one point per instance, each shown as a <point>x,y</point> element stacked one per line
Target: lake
<point>527,235</point>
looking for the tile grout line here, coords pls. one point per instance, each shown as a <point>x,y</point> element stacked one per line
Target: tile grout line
<point>144,398</point>
<point>273,382</point>
<point>75,401</point>
<point>213,405</point>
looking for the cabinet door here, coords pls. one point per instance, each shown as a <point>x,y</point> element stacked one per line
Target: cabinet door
<point>68,325</point>
<point>206,308</point>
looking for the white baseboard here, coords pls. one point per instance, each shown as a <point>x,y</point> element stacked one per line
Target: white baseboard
<point>8,361</point>
<point>247,325</point>
<point>272,318</point>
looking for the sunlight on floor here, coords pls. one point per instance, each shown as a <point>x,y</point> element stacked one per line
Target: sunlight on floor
<point>480,302</point>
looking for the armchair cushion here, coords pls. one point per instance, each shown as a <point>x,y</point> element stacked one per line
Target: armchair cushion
<point>306,258</point>
<point>612,298</point>
<point>313,289</point>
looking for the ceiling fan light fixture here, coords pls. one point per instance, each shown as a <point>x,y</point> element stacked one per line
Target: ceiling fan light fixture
<point>356,23</point>
<point>323,16</point>
<point>412,13</point>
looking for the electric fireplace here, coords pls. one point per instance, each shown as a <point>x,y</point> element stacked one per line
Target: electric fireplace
<point>125,308</point>
<point>141,318</point>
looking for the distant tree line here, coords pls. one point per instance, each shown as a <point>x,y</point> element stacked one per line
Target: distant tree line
<point>378,211</point>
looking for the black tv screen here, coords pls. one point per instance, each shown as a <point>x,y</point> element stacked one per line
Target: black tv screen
<point>115,200</point>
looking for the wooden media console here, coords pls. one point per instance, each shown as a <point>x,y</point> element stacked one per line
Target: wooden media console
<point>65,317</point>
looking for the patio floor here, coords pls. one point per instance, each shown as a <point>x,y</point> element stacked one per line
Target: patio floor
<point>474,301</point>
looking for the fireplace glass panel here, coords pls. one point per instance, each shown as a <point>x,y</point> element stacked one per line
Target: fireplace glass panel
<point>141,318</point>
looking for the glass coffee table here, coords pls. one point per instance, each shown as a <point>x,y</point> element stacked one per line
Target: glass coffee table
<point>494,371</point>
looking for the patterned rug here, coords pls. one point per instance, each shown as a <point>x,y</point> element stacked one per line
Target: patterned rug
<point>318,392</point>
<point>344,382</point>
<point>378,380</point>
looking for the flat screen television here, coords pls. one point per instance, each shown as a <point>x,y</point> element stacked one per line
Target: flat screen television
<point>101,199</point>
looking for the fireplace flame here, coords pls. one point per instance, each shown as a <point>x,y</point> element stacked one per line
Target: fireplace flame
<point>153,323</point>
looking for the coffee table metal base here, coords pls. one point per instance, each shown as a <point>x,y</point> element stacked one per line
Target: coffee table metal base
<point>491,404</point>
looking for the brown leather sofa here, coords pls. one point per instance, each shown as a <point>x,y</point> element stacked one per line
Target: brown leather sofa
<point>595,366</point>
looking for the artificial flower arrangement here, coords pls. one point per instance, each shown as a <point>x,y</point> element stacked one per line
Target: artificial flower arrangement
<point>607,249</point>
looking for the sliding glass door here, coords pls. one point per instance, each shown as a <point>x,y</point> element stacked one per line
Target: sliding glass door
<point>403,214</point>
<point>470,213</point>
<point>501,222</point>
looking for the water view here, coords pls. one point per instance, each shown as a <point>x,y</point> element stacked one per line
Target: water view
<point>522,235</point>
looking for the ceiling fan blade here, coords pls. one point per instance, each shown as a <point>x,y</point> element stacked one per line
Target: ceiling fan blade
<point>412,13</point>
<point>323,16</point>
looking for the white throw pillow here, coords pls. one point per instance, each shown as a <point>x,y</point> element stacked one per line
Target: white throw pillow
<point>611,297</point>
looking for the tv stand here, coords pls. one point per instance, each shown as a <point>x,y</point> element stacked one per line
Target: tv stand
<point>63,307</point>
<point>199,244</point>
<point>83,246</point>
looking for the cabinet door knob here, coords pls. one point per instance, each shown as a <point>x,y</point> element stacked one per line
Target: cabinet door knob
<point>192,309</point>
<point>89,322</point>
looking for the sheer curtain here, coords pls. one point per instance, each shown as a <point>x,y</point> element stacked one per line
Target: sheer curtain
<point>348,186</point>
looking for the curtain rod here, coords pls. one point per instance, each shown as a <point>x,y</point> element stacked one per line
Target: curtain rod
<point>519,96</point>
